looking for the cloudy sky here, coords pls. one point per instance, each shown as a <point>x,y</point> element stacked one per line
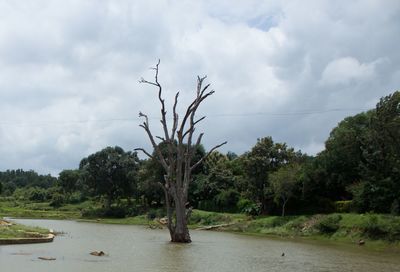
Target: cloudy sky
<point>69,71</point>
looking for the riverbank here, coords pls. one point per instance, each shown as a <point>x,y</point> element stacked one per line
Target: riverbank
<point>11,233</point>
<point>374,231</point>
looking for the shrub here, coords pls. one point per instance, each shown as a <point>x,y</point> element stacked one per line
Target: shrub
<point>112,212</point>
<point>36,194</point>
<point>226,200</point>
<point>57,200</point>
<point>248,207</point>
<point>76,197</point>
<point>395,208</point>
<point>207,205</point>
<point>343,206</point>
<point>329,224</point>
<point>384,227</point>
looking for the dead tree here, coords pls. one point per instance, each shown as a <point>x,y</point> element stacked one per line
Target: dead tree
<point>177,160</point>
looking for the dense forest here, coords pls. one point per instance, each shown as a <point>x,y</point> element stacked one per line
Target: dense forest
<point>358,171</point>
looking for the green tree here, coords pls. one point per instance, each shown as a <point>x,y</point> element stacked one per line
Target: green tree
<point>329,176</point>
<point>380,167</point>
<point>149,191</point>
<point>343,154</point>
<point>111,173</point>
<point>69,180</point>
<point>283,184</point>
<point>265,158</point>
<point>214,189</point>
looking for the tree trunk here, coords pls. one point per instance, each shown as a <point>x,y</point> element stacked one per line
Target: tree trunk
<point>180,231</point>
<point>283,207</point>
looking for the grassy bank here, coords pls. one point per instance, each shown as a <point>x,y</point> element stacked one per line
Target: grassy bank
<point>376,230</point>
<point>11,231</point>
<point>40,210</point>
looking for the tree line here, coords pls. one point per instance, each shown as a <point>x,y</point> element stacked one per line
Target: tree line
<point>359,171</point>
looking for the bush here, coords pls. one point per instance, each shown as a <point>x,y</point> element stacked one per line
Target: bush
<point>112,212</point>
<point>329,224</point>
<point>36,194</point>
<point>155,213</point>
<point>226,200</point>
<point>343,206</point>
<point>248,207</point>
<point>151,215</point>
<point>209,218</point>
<point>76,197</point>
<point>395,208</point>
<point>207,205</point>
<point>57,200</point>
<point>373,228</point>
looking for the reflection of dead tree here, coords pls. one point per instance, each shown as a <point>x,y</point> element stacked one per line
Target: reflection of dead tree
<point>177,160</point>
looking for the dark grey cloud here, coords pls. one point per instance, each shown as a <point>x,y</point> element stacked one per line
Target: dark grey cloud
<point>69,71</point>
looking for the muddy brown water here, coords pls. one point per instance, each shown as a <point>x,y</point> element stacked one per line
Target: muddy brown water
<point>137,248</point>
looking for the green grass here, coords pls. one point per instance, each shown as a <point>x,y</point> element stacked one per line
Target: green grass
<point>40,210</point>
<point>201,218</point>
<point>136,220</point>
<point>21,231</point>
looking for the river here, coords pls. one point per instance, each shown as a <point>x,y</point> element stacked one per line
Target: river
<point>137,248</point>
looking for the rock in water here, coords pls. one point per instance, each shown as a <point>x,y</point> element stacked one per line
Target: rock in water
<point>97,253</point>
<point>47,258</point>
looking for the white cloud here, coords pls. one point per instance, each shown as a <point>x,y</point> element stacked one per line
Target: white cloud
<point>63,62</point>
<point>345,70</point>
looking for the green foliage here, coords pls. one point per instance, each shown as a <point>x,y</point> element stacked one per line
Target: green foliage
<point>57,200</point>
<point>111,173</point>
<point>212,218</point>
<point>343,206</point>
<point>69,181</point>
<point>395,208</point>
<point>105,212</point>
<point>283,184</point>
<point>248,207</point>
<point>31,194</point>
<point>380,166</point>
<point>14,179</point>
<point>156,213</point>
<point>227,200</point>
<point>329,224</point>
<point>263,159</point>
<point>383,227</point>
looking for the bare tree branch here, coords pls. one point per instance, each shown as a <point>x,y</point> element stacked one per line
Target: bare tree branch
<point>145,152</point>
<point>206,156</point>
<point>176,117</point>
<point>192,127</point>
<point>199,139</point>
<point>145,126</point>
